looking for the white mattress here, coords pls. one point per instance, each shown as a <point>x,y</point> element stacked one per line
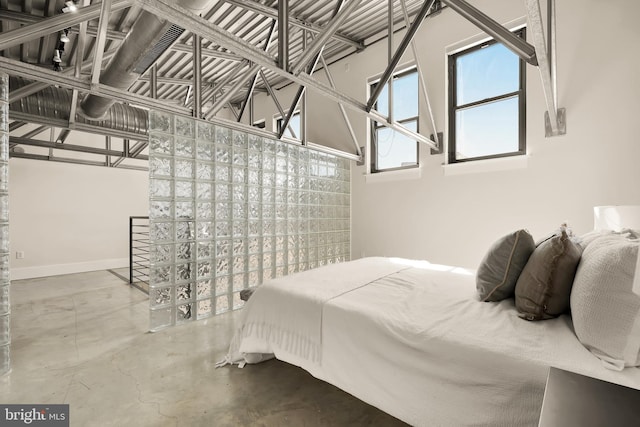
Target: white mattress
<point>417,343</point>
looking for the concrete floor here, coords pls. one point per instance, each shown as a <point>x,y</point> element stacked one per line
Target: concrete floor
<point>82,339</point>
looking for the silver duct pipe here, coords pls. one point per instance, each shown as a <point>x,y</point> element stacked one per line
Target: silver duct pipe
<point>149,37</point>
<point>54,103</point>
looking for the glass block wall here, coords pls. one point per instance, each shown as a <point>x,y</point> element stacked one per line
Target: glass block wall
<point>229,210</point>
<point>5,337</point>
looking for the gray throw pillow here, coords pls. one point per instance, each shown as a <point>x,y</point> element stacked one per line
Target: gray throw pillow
<point>499,270</point>
<point>543,289</point>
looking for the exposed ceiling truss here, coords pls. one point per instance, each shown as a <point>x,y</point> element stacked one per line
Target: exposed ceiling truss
<point>222,58</point>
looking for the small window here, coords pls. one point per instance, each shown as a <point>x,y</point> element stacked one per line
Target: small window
<point>391,150</point>
<point>294,124</point>
<point>260,124</point>
<point>486,103</point>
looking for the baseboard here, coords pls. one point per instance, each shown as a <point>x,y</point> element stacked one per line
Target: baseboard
<point>58,269</point>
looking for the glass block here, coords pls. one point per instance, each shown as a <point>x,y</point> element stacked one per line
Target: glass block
<point>161,231</point>
<point>239,158</point>
<point>184,210</point>
<point>281,164</point>
<point>223,135</point>
<point>239,176</point>
<point>268,179</point>
<point>238,193</point>
<point>205,171</point>
<point>239,229</point>
<point>253,279</point>
<point>239,211</point>
<point>205,151</point>
<point>253,228</point>
<point>279,272</point>
<point>185,230</point>
<point>253,211</point>
<point>204,210</point>
<point>183,312</point>
<point>159,319</point>
<point>281,211</point>
<point>238,282</point>
<point>222,304</point>
<point>281,227</point>
<point>160,254</point>
<point>161,274</point>
<point>222,285</point>
<point>269,146</point>
<point>254,245</point>
<point>267,273</point>
<point>160,296</point>
<point>161,144</point>
<point>222,266</point>
<point>205,250</point>
<point>280,243</point>
<point>254,159</point>
<point>239,247</point>
<point>204,190</point>
<point>268,195</point>
<point>223,211</point>
<point>281,180</point>
<point>253,262</point>
<point>223,192</point>
<point>185,147</point>
<point>223,173</point>
<point>4,147</point>
<point>204,309</point>
<point>183,292</point>
<point>160,166</point>
<point>204,230</point>
<point>223,154</point>
<point>253,177</point>
<point>268,162</point>
<point>4,87</point>
<point>185,272</point>
<point>303,169</point>
<point>239,139</point>
<point>238,264</point>
<point>268,227</point>
<point>267,260</point>
<point>184,251</point>
<point>5,306</point>
<point>184,189</point>
<point>280,196</point>
<point>160,188</point>
<point>204,270</point>
<point>282,148</point>
<point>185,127</point>
<point>185,168</point>
<point>254,194</point>
<point>159,121</point>
<point>255,142</point>
<point>204,289</point>
<point>205,130</point>
<point>222,248</point>
<point>292,268</point>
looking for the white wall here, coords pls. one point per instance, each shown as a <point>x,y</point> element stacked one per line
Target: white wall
<point>453,219</point>
<point>68,218</point>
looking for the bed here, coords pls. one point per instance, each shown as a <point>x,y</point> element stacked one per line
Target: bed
<point>413,339</point>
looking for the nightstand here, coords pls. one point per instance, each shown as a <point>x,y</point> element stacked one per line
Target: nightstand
<point>575,400</point>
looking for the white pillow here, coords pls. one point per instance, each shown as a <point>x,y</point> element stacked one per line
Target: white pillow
<point>605,301</point>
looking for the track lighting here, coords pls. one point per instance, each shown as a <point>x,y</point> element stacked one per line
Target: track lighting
<point>64,35</point>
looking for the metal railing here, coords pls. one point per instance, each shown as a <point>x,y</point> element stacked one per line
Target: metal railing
<point>139,252</point>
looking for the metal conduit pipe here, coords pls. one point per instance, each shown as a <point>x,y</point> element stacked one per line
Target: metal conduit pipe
<point>55,103</point>
<point>145,40</point>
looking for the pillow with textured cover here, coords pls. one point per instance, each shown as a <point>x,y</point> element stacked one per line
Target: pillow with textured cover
<point>543,289</point>
<point>499,270</point>
<point>605,301</point>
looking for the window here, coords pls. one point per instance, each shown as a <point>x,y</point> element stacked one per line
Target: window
<point>486,103</point>
<point>294,124</point>
<point>389,149</point>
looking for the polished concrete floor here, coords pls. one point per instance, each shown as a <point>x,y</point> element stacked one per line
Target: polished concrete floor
<point>82,340</point>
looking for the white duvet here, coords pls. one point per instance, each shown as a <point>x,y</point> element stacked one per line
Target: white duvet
<point>412,339</point>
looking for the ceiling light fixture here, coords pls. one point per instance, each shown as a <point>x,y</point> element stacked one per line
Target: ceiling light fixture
<point>64,35</point>
<point>70,6</point>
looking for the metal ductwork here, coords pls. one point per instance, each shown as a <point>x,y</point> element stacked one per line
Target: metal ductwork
<point>148,39</point>
<point>53,104</point>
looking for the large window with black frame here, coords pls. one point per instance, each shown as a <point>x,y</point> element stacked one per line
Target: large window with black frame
<point>487,105</point>
<point>391,150</point>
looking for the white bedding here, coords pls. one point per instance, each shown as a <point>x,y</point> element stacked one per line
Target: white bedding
<point>412,339</point>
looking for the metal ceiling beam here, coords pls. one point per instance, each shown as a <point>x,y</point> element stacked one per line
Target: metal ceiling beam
<point>67,160</point>
<point>55,23</point>
<point>225,81</point>
<point>404,44</point>
<point>555,119</point>
<point>277,104</point>
<point>16,125</point>
<point>105,10</point>
<point>207,52</point>
<point>283,34</point>
<point>63,135</point>
<point>70,147</point>
<point>30,89</point>
<point>254,80</point>
<point>273,13</point>
<point>205,29</point>
<point>514,43</point>
<point>35,131</point>
<point>322,38</point>
<point>197,76</point>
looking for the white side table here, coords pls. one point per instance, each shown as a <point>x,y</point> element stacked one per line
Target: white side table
<point>573,400</point>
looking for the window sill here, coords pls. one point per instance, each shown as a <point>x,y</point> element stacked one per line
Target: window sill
<point>390,176</point>
<point>489,165</point>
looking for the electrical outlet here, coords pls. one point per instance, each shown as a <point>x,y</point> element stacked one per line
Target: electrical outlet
<point>19,255</point>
